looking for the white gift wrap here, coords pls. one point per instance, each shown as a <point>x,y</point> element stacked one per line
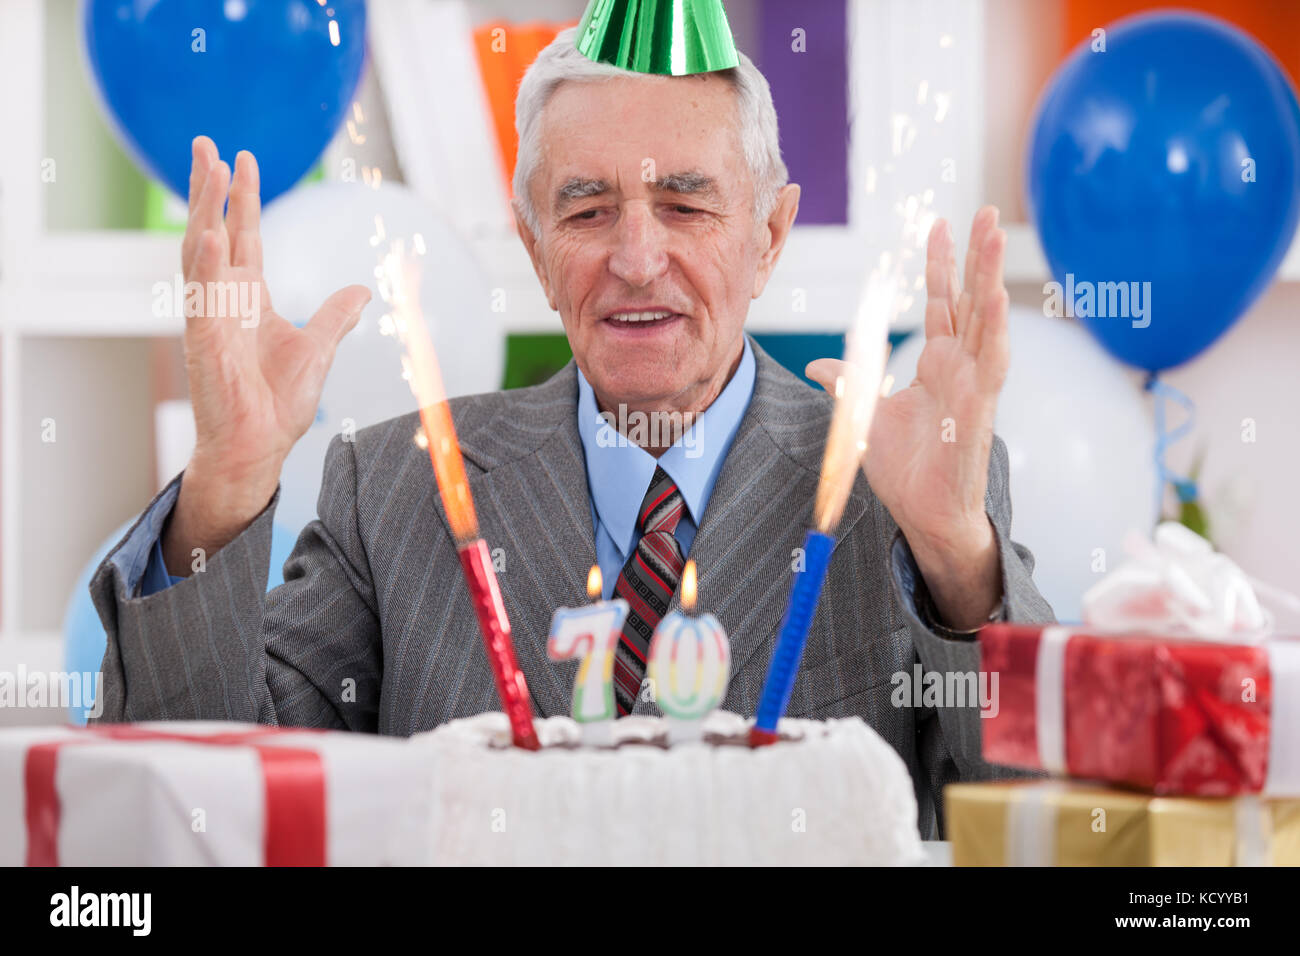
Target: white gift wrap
<point>133,803</point>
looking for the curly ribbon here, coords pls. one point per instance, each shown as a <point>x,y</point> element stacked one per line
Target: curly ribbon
<point>1164,394</point>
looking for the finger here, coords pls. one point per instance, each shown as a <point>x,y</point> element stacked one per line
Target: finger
<point>245,212</point>
<point>246,249</point>
<point>989,291</point>
<point>940,312</point>
<point>825,372</point>
<point>207,212</point>
<point>203,153</point>
<point>337,316</point>
<point>985,220</point>
<point>210,259</point>
<point>994,356</point>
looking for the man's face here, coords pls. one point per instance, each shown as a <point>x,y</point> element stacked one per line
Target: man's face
<point>649,248</point>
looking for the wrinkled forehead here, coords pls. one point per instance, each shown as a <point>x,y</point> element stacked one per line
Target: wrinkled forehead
<point>642,134</point>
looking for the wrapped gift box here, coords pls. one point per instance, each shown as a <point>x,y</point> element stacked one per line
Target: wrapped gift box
<point>181,793</point>
<point>1169,715</point>
<point>1059,823</point>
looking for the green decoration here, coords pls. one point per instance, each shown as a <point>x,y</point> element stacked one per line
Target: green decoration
<point>532,358</point>
<point>667,37</point>
<point>1191,510</point>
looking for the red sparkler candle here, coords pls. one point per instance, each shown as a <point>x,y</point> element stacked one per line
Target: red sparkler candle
<point>399,284</point>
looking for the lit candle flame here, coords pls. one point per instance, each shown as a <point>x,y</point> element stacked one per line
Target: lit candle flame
<point>594,582</point>
<point>689,586</point>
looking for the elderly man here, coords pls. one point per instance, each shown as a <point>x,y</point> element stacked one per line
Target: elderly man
<point>652,276</point>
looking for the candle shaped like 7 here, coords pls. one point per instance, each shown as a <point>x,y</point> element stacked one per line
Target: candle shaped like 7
<point>591,634</point>
<point>688,665</point>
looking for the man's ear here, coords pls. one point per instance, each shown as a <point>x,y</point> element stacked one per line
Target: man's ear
<point>774,232</point>
<point>533,246</point>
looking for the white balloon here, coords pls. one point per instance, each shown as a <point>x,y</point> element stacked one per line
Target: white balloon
<point>317,239</point>
<point>1080,442</point>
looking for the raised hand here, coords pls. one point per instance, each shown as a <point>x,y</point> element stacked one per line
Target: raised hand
<point>928,452</point>
<point>255,379</point>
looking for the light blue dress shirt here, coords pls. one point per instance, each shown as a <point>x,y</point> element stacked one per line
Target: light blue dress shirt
<point>618,476</point>
<point>619,472</point>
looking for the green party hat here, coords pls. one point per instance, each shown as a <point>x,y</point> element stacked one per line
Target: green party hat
<point>668,37</point>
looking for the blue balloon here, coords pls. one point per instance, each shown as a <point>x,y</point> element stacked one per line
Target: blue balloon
<point>1173,157</point>
<point>261,75</point>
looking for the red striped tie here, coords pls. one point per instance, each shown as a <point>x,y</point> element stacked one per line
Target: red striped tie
<point>647,583</point>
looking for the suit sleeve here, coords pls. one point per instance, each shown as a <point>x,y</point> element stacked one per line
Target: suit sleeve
<point>217,646</point>
<point>949,737</point>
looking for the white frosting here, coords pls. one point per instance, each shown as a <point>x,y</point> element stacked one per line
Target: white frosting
<point>834,792</point>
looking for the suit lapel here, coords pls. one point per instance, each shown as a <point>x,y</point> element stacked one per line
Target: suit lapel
<point>535,514</point>
<point>757,516</point>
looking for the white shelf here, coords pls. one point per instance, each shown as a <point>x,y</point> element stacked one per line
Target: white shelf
<point>94,284</point>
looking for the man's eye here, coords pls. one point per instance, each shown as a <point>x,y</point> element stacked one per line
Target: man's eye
<point>686,210</point>
<point>586,215</point>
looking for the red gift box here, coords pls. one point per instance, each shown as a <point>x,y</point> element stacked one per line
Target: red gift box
<point>1167,715</point>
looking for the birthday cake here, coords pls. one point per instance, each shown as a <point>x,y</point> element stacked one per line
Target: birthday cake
<point>827,792</point>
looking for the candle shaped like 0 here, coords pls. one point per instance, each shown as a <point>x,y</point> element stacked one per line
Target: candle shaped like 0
<point>399,278</point>
<point>688,664</point>
<point>591,634</point>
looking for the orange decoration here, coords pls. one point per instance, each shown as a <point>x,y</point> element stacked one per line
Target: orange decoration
<point>505,51</point>
<point>1274,25</point>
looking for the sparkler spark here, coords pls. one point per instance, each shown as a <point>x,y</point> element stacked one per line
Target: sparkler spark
<point>866,350</point>
<point>889,291</point>
<point>397,278</point>
<point>399,287</point>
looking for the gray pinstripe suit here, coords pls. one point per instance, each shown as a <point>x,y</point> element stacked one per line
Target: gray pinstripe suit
<point>373,597</point>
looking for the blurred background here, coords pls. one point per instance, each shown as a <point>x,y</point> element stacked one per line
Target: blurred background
<point>878,100</point>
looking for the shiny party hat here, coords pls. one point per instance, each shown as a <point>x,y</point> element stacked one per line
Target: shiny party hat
<point>668,37</point>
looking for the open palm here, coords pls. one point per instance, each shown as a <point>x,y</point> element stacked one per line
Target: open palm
<point>255,379</point>
<point>927,455</point>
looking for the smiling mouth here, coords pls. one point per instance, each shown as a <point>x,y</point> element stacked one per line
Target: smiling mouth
<point>637,321</point>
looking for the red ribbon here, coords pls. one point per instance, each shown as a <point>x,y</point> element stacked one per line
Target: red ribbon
<point>294,780</point>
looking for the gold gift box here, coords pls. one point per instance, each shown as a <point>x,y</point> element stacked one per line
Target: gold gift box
<point>1065,823</point>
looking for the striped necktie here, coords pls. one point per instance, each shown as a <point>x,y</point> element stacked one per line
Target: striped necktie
<point>647,583</point>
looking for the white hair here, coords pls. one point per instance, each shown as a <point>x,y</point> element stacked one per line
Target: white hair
<point>561,62</point>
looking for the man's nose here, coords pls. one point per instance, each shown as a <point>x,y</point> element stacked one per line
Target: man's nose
<point>640,246</point>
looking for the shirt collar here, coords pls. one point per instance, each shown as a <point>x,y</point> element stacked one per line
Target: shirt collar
<point>619,472</point>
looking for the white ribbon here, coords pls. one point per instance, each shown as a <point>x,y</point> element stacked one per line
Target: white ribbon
<point>1049,698</point>
<point>1031,824</point>
<point>1254,832</point>
<point>1178,584</point>
<point>1283,778</point>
